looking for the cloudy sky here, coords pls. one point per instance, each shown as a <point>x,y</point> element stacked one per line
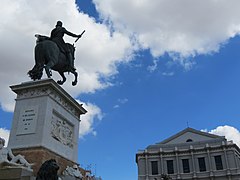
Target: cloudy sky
<point>146,70</point>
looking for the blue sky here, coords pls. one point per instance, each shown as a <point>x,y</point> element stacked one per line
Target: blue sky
<point>205,97</point>
<point>145,78</point>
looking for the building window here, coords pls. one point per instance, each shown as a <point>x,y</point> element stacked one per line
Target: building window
<point>202,164</point>
<point>170,169</point>
<point>189,140</point>
<point>154,168</point>
<point>186,168</point>
<point>218,162</point>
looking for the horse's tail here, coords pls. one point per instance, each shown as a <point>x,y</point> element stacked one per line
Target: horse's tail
<point>37,71</point>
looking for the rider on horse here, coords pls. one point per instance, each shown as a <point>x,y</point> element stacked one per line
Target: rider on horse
<point>57,36</point>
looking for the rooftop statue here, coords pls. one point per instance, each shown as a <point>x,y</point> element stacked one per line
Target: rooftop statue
<point>8,159</point>
<point>53,53</point>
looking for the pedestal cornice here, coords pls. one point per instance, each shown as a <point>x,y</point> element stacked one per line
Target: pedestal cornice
<point>48,87</point>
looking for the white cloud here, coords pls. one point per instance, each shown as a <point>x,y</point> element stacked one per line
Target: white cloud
<point>120,102</point>
<point>153,67</point>
<point>230,133</point>
<point>168,73</point>
<point>97,52</point>
<point>181,28</point>
<point>123,101</point>
<point>116,106</point>
<point>4,133</point>
<point>93,115</point>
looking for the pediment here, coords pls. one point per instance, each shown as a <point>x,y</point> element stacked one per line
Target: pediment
<point>190,135</point>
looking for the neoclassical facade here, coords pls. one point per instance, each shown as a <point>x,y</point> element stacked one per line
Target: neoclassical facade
<point>190,154</point>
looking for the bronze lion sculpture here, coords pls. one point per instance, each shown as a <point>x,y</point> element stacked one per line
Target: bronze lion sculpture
<point>48,170</point>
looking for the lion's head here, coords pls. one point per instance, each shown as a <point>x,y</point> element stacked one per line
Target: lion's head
<point>48,170</point>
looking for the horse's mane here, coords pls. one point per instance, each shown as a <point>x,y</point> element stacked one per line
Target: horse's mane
<point>41,38</point>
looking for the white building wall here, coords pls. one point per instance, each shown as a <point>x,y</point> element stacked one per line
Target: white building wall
<point>229,152</point>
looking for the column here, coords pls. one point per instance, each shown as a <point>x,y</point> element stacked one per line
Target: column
<point>177,162</point>
<point>226,159</point>
<point>161,161</point>
<point>146,165</point>
<point>193,164</point>
<point>209,161</point>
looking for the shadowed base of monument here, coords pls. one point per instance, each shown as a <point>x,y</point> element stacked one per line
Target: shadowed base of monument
<point>39,155</point>
<point>15,173</point>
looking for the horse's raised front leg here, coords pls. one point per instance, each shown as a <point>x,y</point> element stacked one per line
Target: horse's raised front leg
<point>63,78</point>
<point>75,75</point>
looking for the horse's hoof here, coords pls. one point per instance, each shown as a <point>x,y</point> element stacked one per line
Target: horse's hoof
<point>74,83</point>
<point>60,82</point>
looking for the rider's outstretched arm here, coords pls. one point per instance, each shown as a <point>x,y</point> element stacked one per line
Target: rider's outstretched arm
<point>69,33</point>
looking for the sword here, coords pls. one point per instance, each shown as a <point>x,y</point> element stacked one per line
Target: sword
<point>80,36</point>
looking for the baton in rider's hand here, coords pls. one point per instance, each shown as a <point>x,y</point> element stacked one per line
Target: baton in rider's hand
<point>79,36</point>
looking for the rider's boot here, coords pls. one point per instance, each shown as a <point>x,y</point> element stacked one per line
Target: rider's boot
<point>71,63</point>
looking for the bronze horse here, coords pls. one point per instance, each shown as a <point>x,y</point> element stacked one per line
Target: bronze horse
<point>49,56</point>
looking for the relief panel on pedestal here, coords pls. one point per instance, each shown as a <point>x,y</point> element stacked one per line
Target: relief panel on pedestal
<point>61,129</point>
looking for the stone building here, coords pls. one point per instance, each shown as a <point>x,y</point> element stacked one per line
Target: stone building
<point>190,154</point>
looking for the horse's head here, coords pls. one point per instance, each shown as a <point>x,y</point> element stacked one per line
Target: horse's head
<point>41,38</point>
<point>72,49</point>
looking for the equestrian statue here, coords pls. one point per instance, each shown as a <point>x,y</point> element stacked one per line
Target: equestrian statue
<point>53,53</point>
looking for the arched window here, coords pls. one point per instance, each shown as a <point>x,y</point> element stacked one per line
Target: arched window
<point>189,140</point>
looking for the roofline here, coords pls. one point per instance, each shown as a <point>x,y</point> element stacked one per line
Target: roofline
<point>190,130</point>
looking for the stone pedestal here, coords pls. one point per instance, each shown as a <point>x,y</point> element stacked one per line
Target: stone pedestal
<point>45,123</point>
<point>69,178</point>
<point>15,173</point>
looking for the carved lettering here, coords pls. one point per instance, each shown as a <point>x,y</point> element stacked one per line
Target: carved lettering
<point>28,120</point>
